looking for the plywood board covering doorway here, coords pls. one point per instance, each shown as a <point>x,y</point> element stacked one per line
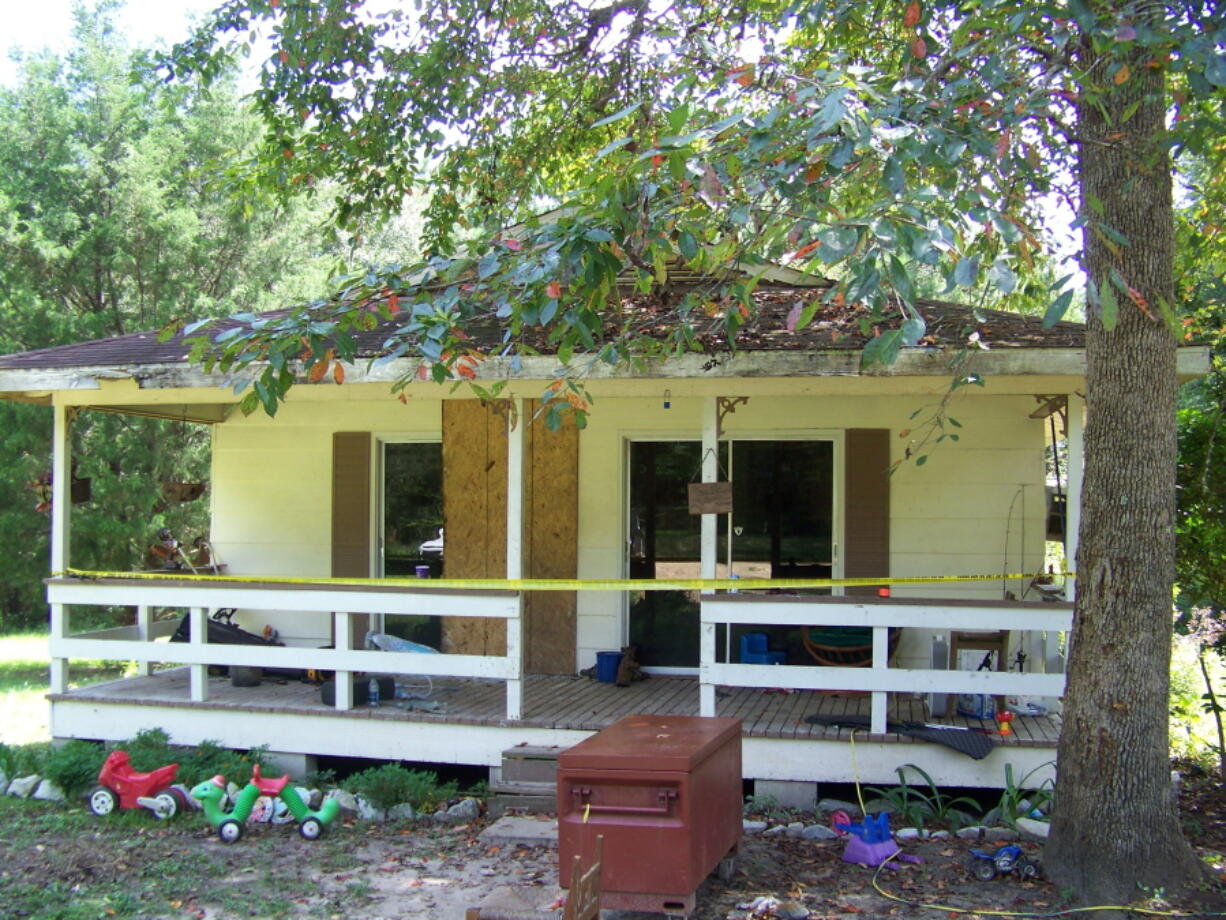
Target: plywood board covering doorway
<point>474,511</point>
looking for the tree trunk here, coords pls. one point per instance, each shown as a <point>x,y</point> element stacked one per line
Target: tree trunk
<point>1116,827</point>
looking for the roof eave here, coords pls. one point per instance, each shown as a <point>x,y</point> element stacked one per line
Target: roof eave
<point>34,384</point>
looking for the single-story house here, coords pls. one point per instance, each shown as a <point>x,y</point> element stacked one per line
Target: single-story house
<point>322,513</point>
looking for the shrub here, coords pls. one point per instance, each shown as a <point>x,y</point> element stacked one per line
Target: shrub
<point>210,759</point>
<point>74,766</point>
<point>391,784</point>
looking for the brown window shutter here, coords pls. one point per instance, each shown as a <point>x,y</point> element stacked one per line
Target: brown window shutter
<point>866,553</point>
<point>351,504</point>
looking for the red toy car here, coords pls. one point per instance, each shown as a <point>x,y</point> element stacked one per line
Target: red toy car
<point>119,786</point>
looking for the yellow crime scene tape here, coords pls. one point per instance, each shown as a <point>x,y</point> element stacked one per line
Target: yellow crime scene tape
<point>556,584</point>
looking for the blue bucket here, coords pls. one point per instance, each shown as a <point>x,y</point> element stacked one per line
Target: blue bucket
<point>607,664</point>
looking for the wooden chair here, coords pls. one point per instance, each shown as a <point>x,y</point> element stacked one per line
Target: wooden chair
<point>582,902</point>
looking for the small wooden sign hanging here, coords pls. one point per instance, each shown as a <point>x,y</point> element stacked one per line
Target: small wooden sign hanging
<point>710,497</point>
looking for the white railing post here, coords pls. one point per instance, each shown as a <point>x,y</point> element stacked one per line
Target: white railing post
<point>342,680</point>
<point>144,630</point>
<point>199,680</point>
<point>881,663</point>
<point>59,666</point>
<point>706,658</point>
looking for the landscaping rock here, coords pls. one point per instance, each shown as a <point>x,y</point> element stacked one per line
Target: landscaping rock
<point>795,829</point>
<point>313,797</point>
<point>1001,835</point>
<point>909,833</point>
<point>775,830</point>
<point>1033,829</point>
<point>368,811</point>
<point>348,801</point>
<point>830,806</point>
<point>973,832</point>
<point>818,832</point>
<point>24,786</point>
<point>752,828</point>
<point>464,811</point>
<point>940,835</point>
<point>48,791</point>
<point>401,812</point>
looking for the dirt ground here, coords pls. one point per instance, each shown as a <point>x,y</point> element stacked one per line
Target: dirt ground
<point>358,871</point>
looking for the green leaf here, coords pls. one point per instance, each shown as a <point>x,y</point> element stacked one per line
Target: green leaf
<point>966,272</point>
<point>1109,307</point>
<point>1058,308</point>
<point>913,330</point>
<point>617,116</point>
<point>610,147</point>
<point>687,245</point>
<point>1002,277</point>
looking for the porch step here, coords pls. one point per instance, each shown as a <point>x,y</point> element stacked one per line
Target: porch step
<point>530,764</point>
<point>526,781</point>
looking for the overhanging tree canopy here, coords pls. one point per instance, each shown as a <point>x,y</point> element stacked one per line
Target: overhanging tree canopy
<point>888,145</point>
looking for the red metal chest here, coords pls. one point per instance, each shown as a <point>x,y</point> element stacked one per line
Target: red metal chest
<point>665,793</point>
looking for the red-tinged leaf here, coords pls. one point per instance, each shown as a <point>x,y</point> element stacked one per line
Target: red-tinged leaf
<point>318,369</point>
<point>338,372</point>
<point>1002,147</point>
<point>393,304</point>
<point>806,249</point>
<point>1121,75</point>
<point>656,160</point>
<point>919,47</point>
<point>912,15</point>
<point>284,56</point>
<point>467,371</point>
<point>814,172</point>
<point>423,372</point>
<point>746,76</point>
<point>513,245</point>
<point>288,154</point>
<point>553,289</point>
<point>794,316</point>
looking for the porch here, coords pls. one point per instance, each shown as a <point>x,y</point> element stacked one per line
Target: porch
<point>483,704</point>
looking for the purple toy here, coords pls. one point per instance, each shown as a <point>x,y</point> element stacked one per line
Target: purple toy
<point>870,842</point>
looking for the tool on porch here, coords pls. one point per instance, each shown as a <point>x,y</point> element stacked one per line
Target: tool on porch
<point>416,687</point>
<point>229,825</point>
<point>120,786</point>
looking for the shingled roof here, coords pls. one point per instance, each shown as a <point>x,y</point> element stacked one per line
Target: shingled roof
<point>833,328</point>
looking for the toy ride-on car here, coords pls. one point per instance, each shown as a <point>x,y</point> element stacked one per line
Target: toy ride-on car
<point>986,866</point>
<point>120,786</point>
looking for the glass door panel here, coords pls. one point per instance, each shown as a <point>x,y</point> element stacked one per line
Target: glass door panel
<point>783,526</point>
<point>411,531</point>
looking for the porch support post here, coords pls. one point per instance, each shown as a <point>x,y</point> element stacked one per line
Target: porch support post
<point>709,549</point>
<point>61,504</point>
<point>1053,662</point>
<point>517,432</point>
<point>199,682</point>
<point>881,664</point>
<point>1076,466</point>
<point>342,680</point>
<point>144,631</point>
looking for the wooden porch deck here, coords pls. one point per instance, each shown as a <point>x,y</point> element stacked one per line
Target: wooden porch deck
<point>554,702</point>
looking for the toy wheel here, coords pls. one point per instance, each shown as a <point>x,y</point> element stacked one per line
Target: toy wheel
<point>230,831</point>
<point>1028,868</point>
<point>983,869</point>
<point>311,829</point>
<point>837,818</point>
<point>168,803</point>
<point>102,800</point>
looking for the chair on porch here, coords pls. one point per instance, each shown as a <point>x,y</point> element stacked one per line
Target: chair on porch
<point>846,646</point>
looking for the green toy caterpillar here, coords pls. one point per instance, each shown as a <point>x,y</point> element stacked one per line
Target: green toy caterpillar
<point>229,825</point>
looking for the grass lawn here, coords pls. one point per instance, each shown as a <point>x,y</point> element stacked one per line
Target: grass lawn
<point>24,684</point>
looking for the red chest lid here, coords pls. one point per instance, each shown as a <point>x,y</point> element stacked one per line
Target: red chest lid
<point>672,743</point>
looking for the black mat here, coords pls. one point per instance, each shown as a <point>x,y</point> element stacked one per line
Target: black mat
<point>966,741</point>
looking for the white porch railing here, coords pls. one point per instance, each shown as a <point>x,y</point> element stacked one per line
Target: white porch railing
<point>199,598</point>
<point>880,614</point>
